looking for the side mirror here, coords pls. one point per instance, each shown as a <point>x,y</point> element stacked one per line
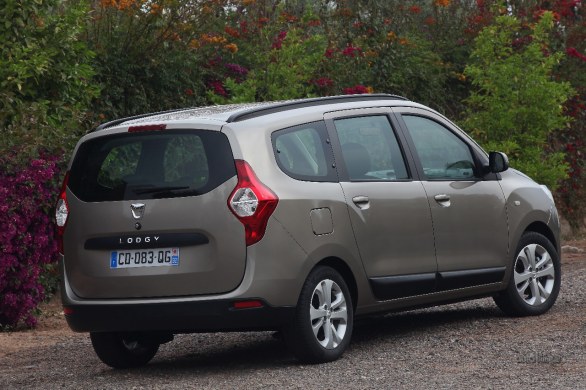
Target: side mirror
<point>497,162</point>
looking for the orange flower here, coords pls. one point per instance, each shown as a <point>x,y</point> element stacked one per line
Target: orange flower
<point>118,4</point>
<point>232,47</point>
<point>213,39</point>
<point>232,32</point>
<point>441,3</point>
<point>391,36</point>
<point>260,22</point>
<point>155,9</point>
<point>404,41</point>
<point>194,44</point>
<point>287,17</point>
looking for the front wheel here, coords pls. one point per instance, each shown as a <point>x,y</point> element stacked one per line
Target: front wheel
<point>324,320</point>
<point>535,279</point>
<point>124,350</point>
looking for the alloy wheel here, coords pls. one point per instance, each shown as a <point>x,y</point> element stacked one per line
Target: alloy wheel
<point>534,274</point>
<point>328,314</point>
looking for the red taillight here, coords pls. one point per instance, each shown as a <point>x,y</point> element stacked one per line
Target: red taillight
<point>135,129</point>
<point>62,212</point>
<point>252,202</point>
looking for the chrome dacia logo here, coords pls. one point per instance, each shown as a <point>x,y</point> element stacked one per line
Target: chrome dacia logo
<point>137,210</point>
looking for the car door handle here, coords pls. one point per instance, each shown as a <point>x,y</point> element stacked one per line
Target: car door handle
<point>443,199</point>
<point>361,201</point>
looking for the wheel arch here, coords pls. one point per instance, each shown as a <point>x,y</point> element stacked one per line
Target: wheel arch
<point>543,229</point>
<point>340,266</point>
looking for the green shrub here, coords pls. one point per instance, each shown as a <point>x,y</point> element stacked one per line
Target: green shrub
<point>45,74</point>
<point>45,89</point>
<point>516,104</point>
<point>144,61</point>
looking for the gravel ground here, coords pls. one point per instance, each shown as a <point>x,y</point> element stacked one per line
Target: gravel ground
<point>466,345</point>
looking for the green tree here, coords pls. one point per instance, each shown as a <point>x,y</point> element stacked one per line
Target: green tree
<point>283,72</point>
<point>515,103</point>
<point>45,73</point>
<point>46,86</point>
<point>145,61</point>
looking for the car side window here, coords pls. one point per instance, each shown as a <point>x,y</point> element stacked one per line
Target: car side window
<point>300,152</point>
<point>443,155</point>
<point>370,149</point>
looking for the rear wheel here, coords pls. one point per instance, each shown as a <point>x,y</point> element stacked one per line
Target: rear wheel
<point>124,350</point>
<point>323,321</point>
<point>535,281</point>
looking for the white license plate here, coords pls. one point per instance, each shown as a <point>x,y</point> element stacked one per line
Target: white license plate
<point>145,258</point>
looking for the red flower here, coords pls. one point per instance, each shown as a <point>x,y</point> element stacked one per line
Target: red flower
<point>218,88</point>
<point>189,91</point>
<point>352,51</point>
<point>278,42</point>
<point>232,32</point>
<point>329,53</point>
<point>414,9</point>
<point>323,82</point>
<point>355,90</point>
<point>573,52</point>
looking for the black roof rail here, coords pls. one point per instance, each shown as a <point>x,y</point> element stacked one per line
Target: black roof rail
<point>115,122</point>
<point>270,109</point>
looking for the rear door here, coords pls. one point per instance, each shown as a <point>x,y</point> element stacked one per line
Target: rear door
<point>149,217</point>
<point>388,207</point>
<point>468,207</point>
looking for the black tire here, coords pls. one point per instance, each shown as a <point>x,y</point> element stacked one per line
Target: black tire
<point>519,298</point>
<point>124,350</point>
<point>299,336</point>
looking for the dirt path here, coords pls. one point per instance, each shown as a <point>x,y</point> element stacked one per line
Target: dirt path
<point>465,345</point>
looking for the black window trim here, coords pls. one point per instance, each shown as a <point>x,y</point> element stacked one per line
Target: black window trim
<point>320,127</point>
<point>330,117</point>
<point>474,148</point>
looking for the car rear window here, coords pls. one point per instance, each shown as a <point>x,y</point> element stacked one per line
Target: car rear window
<point>151,165</point>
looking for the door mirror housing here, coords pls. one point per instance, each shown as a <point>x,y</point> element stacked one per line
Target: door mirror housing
<point>497,162</point>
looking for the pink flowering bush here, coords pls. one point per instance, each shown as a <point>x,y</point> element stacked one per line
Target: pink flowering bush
<point>29,252</point>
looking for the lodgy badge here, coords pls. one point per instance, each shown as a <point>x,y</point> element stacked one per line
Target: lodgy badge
<point>138,240</point>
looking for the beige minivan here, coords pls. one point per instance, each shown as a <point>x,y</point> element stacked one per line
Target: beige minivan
<point>294,216</point>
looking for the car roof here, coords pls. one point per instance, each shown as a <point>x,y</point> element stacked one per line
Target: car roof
<point>244,111</point>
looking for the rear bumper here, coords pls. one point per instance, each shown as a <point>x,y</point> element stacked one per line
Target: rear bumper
<point>176,317</point>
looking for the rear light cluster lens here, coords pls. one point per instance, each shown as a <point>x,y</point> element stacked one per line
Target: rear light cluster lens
<point>251,202</point>
<point>62,212</point>
<point>244,202</point>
